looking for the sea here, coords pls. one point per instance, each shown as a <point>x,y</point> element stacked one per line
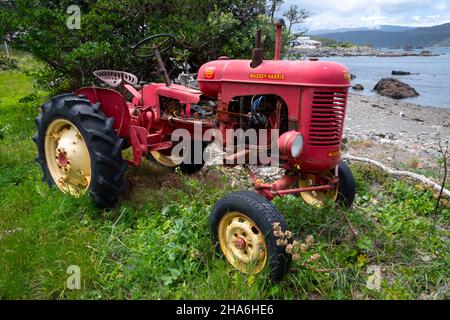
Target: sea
<point>431,75</point>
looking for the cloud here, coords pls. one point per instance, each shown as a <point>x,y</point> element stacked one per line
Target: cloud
<point>440,6</point>
<point>333,14</point>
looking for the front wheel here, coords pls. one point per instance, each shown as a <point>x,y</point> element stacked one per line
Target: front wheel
<point>343,193</point>
<point>242,225</point>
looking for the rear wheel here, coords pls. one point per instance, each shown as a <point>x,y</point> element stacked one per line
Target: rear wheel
<point>242,226</point>
<point>343,193</point>
<point>188,163</point>
<point>78,149</point>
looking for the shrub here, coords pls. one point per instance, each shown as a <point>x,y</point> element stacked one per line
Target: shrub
<point>204,30</point>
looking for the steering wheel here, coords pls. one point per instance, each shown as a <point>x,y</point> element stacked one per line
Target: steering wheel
<point>145,49</point>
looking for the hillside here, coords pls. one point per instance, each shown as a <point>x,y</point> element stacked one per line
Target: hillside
<point>425,37</point>
<point>387,28</point>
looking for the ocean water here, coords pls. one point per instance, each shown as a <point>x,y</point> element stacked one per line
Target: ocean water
<point>432,80</point>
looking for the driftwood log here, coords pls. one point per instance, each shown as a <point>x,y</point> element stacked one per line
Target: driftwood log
<point>398,173</point>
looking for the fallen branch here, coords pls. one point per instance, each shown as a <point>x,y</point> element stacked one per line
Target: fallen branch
<point>445,155</point>
<point>398,173</point>
<point>352,229</point>
<point>319,270</point>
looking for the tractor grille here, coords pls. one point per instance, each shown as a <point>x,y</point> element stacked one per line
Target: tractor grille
<point>327,118</point>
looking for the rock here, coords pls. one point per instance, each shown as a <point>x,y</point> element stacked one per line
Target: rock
<point>426,53</point>
<point>353,77</point>
<point>395,89</point>
<point>401,73</point>
<point>385,141</point>
<point>358,87</point>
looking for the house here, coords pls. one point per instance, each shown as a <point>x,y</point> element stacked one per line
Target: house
<point>305,43</point>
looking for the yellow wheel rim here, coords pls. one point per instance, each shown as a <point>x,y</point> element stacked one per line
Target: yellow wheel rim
<point>317,199</point>
<point>242,243</point>
<point>67,157</point>
<point>166,161</point>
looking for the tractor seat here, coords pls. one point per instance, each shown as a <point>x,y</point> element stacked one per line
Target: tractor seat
<point>114,78</point>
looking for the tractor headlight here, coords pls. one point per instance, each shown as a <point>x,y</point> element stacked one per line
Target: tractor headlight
<point>291,143</point>
<point>297,146</point>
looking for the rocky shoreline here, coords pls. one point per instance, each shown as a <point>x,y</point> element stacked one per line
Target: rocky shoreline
<point>397,133</point>
<point>355,52</point>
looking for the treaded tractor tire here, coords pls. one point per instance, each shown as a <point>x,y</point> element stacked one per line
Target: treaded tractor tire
<point>264,214</point>
<point>347,187</point>
<point>104,146</point>
<point>191,168</point>
<point>187,168</point>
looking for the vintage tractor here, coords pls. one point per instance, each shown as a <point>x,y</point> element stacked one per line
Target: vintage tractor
<point>81,135</point>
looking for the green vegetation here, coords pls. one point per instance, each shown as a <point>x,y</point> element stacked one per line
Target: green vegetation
<point>156,243</point>
<point>204,30</point>
<point>327,42</point>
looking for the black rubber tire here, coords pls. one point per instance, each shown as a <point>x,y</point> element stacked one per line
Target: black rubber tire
<point>191,168</point>
<point>264,214</point>
<point>105,147</point>
<point>187,168</point>
<point>347,186</point>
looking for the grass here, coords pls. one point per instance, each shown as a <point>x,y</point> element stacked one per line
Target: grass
<point>156,244</point>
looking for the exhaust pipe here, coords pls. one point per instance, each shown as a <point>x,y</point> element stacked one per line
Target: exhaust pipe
<point>257,53</point>
<point>279,32</point>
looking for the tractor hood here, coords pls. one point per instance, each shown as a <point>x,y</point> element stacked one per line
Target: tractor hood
<point>274,72</point>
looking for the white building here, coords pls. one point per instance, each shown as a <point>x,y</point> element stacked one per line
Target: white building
<point>305,43</point>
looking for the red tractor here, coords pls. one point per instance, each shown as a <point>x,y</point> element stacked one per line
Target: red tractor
<point>81,136</point>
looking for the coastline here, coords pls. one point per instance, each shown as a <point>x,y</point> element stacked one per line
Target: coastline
<point>357,51</point>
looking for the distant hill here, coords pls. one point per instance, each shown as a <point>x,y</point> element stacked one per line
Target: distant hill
<point>425,37</point>
<point>387,28</point>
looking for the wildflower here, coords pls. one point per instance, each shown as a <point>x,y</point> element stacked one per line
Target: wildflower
<point>313,258</point>
<point>309,240</point>
<point>289,248</point>
<point>278,234</point>
<point>277,226</point>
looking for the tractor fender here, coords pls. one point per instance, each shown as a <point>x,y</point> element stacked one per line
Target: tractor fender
<point>113,105</point>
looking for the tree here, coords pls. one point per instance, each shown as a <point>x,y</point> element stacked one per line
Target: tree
<point>273,6</point>
<point>295,15</point>
<point>204,30</point>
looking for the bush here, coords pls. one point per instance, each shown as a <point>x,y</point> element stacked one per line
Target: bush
<point>204,30</point>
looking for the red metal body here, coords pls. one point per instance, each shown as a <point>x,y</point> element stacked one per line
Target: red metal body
<point>314,93</point>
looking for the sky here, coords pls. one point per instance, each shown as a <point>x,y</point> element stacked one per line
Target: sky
<point>334,14</point>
